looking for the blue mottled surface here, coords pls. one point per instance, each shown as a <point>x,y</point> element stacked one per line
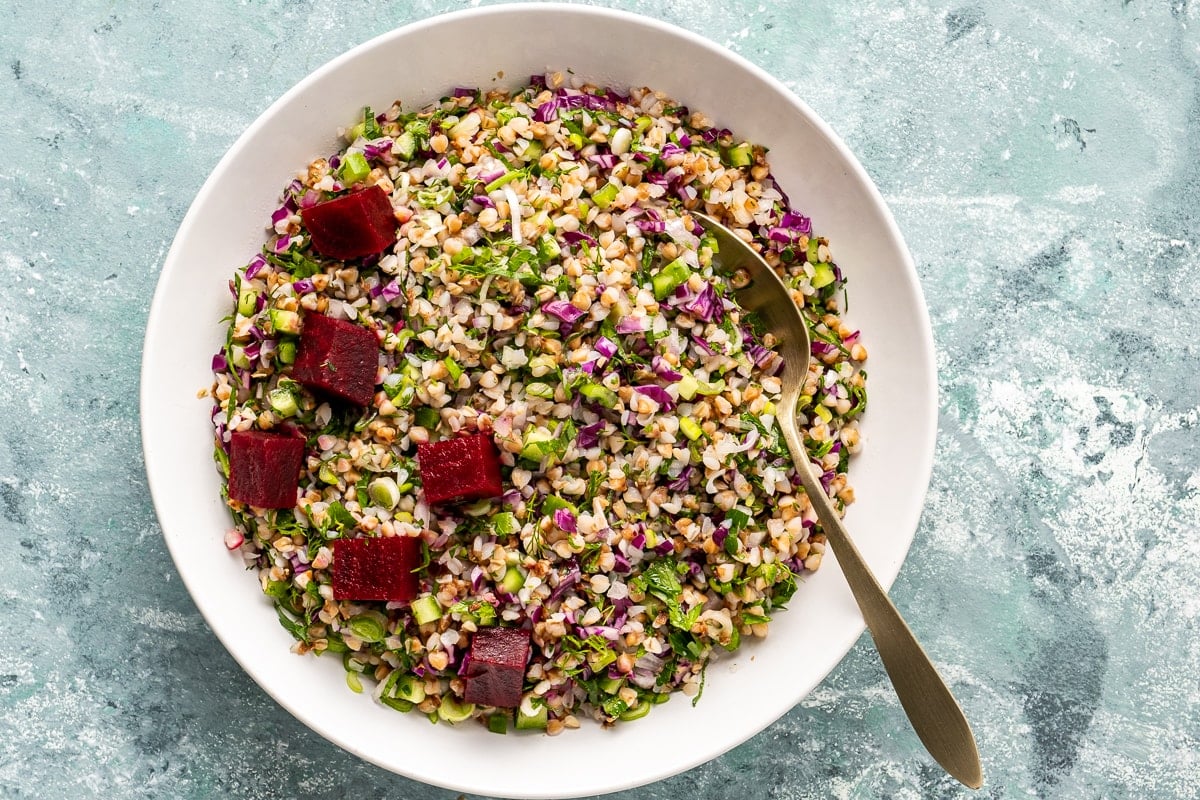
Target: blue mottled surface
<point>1043,161</point>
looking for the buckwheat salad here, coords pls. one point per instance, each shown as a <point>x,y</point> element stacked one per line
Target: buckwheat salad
<point>549,292</point>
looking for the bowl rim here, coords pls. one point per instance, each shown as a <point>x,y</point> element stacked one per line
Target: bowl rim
<point>921,468</point>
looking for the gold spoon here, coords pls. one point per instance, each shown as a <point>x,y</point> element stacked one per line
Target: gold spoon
<point>931,708</point>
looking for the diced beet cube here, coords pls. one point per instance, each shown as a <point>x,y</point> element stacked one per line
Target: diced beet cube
<point>337,357</point>
<point>496,671</point>
<point>465,468</point>
<point>264,468</point>
<point>376,569</point>
<point>353,225</point>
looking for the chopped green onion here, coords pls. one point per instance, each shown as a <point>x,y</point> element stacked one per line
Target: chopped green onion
<point>637,712</point>
<point>384,492</point>
<point>498,723</point>
<point>327,474</point>
<point>542,390</point>
<point>452,711</point>
<point>504,180</point>
<point>454,369</point>
<point>370,626</point>
<point>238,357</point>
<point>824,413</point>
<point>286,352</point>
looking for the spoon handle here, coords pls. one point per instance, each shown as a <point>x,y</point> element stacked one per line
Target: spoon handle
<point>931,708</point>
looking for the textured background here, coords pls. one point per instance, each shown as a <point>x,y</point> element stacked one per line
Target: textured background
<point>1043,161</point>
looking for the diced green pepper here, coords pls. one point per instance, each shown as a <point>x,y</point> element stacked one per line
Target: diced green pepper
<point>533,722</point>
<point>535,442</point>
<point>513,580</point>
<point>811,253</point>
<point>669,278</point>
<point>410,688</point>
<point>354,168</point>
<point>553,503</point>
<point>283,402</point>
<point>427,417</point>
<point>742,155</point>
<point>405,146</point>
<point>533,150</point>
<point>454,369</point>
<point>238,357</point>
<point>505,523</point>
<point>605,195</point>
<point>426,609</point>
<point>548,248</point>
<point>284,321</point>
<point>247,301</point>
<point>286,352</point>
<point>598,394</point>
<point>822,275</point>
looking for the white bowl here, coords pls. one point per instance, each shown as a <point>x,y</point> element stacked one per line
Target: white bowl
<point>419,63</point>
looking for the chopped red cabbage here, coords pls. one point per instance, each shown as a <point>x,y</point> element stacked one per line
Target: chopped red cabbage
<point>632,324</point>
<point>255,266</point>
<point>565,520</point>
<point>606,347</point>
<point>663,369</point>
<point>546,112</point>
<point>658,394</point>
<point>563,310</point>
<point>575,237</point>
<point>219,364</point>
<point>391,291</point>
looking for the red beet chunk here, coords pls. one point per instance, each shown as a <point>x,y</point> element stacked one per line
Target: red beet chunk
<point>376,569</point>
<point>497,667</point>
<point>353,225</point>
<point>337,357</point>
<point>465,468</point>
<point>264,468</point>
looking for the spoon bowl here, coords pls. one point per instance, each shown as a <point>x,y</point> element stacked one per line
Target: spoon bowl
<point>935,715</point>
